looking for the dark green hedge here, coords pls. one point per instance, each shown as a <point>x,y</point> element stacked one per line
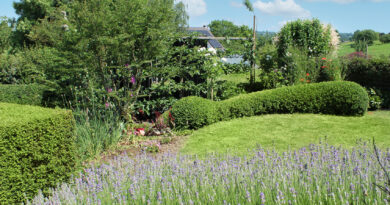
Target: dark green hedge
<point>37,150</point>
<point>339,98</point>
<point>371,73</point>
<point>32,94</point>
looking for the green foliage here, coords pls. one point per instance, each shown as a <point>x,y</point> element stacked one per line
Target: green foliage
<point>30,12</point>
<point>36,150</point>
<point>371,73</point>
<point>5,34</point>
<point>385,38</point>
<point>224,28</point>
<point>96,131</point>
<point>339,98</point>
<point>264,38</point>
<point>363,39</point>
<point>374,100</point>
<point>227,89</point>
<point>368,36</point>
<point>44,65</point>
<point>181,19</point>
<point>345,37</point>
<point>271,79</point>
<point>10,72</point>
<point>98,45</point>
<point>268,58</point>
<point>248,5</point>
<point>32,94</point>
<point>307,35</point>
<point>236,68</point>
<point>194,112</point>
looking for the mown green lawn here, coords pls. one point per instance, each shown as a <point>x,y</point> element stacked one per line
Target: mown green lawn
<point>289,131</point>
<point>377,49</point>
<point>236,77</point>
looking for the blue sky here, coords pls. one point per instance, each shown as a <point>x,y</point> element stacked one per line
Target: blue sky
<point>344,15</point>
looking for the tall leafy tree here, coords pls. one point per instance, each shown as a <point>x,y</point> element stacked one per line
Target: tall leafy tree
<point>5,34</point>
<point>122,41</point>
<point>309,36</point>
<point>367,35</point>
<point>181,19</point>
<point>363,39</point>
<point>30,11</point>
<point>224,28</point>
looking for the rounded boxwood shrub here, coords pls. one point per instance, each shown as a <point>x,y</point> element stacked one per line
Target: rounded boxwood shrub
<point>338,98</point>
<point>194,112</point>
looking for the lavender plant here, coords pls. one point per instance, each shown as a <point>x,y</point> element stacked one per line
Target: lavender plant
<point>318,174</point>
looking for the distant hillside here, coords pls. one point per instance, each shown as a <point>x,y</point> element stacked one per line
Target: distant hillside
<point>346,37</point>
<point>378,49</point>
<point>266,33</point>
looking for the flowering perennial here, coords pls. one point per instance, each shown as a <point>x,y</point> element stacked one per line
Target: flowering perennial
<point>315,175</point>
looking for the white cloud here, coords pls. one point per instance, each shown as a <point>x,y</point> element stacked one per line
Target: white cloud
<point>282,8</point>
<point>347,1</point>
<point>194,7</point>
<point>236,4</point>
<point>282,23</point>
<point>336,1</point>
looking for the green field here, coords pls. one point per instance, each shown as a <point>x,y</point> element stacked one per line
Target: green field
<point>290,131</point>
<point>377,49</point>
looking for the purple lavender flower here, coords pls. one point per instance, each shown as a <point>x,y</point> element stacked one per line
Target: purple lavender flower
<point>262,198</point>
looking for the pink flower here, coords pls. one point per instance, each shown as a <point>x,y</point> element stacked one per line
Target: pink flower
<point>107,105</point>
<point>109,90</point>
<point>133,79</point>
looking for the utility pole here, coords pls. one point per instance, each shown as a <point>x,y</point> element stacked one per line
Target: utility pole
<point>249,6</point>
<point>253,72</point>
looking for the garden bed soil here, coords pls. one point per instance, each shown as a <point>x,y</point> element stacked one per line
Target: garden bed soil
<point>133,151</point>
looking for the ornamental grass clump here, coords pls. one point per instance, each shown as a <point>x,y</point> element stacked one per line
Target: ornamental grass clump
<point>317,174</point>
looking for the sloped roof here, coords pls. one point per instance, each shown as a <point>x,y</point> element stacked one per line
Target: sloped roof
<point>204,31</point>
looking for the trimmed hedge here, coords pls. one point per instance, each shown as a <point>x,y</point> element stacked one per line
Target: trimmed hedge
<point>37,150</point>
<point>194,112</point>
<point>371,73</point>
<point>339,98</point>
<point>32,94</point>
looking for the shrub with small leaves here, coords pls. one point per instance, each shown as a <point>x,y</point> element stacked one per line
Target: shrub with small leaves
<point>37,150</point>
<point>194,112</point>
<point>338,98</point>
<point>32,94</point>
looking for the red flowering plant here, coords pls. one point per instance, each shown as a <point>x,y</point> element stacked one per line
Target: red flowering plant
<point>306,79</point>
<point>328,70</point>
